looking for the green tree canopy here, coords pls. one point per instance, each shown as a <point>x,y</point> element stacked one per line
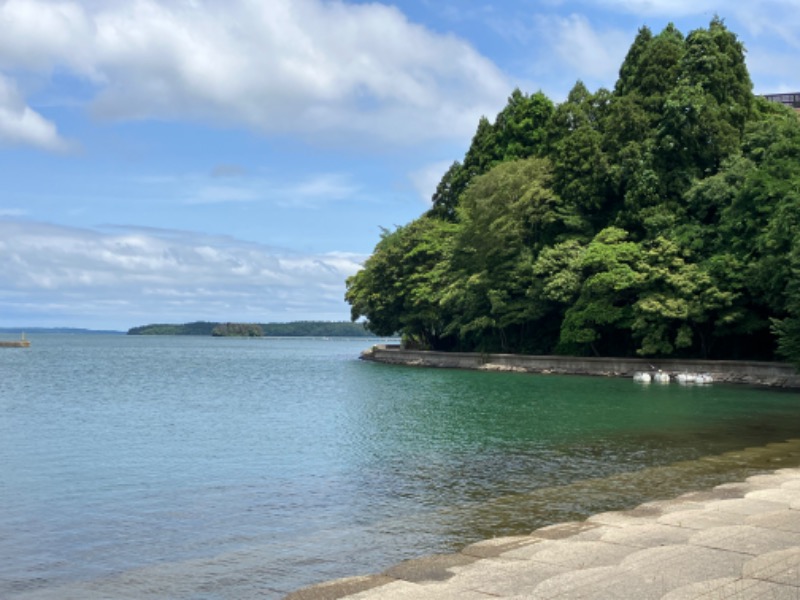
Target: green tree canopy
<point>657,219</point>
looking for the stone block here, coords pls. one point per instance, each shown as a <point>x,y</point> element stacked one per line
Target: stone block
<point>745,539</point>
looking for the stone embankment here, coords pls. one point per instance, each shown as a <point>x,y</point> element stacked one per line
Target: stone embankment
<point>771,374</point>
<point>739,540</point>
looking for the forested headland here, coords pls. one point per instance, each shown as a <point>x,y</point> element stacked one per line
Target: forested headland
<point>291,329</point>
<point>660,218</point>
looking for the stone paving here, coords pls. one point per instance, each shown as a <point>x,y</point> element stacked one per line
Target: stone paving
<point>738,541</point>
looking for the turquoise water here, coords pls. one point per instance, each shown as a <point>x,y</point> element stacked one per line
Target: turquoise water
<point>184,467</point>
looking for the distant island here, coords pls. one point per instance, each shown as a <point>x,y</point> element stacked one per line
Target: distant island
<point>293,329</point>
<point>66,330</point>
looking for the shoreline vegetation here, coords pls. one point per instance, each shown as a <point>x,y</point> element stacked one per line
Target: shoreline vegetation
<point>291,329</point>
<point>655,219</point>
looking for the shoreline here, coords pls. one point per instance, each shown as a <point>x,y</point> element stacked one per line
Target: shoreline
<point>570,559</point>
<point>766,374</point>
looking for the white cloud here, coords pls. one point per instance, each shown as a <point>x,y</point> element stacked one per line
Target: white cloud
<point>41,35</point>
<point>590,54</point>
<point>310,66</point>
<point>21,125</point>
<point>122,277</point>
<point>777,19</point>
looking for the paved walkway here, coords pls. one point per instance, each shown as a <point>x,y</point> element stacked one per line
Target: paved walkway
<point>737,541</point>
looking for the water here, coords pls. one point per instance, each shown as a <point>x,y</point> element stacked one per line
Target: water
<point>184,467</point>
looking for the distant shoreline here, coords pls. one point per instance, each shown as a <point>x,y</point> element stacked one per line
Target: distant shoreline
<point>20,330</point>
<point>768,374</point>
<point>232,329</point>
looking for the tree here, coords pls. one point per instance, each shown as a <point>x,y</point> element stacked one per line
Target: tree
<point>237,330</point>
<point>677,299</point>
<point>787,329</point>
<point>399,288</point>
<point>445,198</point>
<point>507,216</point>
<point>652,68</point>
<point>601,317</point>
<point>657,219</point>
<point>519,131</point>
<point>521,125</point>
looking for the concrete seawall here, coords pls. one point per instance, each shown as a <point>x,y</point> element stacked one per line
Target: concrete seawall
<point>772,374</point>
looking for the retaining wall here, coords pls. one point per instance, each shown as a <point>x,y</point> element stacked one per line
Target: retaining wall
<point>747,372</point>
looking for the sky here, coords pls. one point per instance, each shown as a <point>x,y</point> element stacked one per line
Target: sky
<point>168,161</point>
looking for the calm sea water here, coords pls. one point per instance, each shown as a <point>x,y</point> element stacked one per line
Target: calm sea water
<point>185,467</point>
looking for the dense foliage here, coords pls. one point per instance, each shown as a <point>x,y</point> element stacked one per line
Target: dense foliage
<point>195,328</point>
<point>237,330</point>
<point>315,329</point>
<point>292,329</point>
<point>657,219</point>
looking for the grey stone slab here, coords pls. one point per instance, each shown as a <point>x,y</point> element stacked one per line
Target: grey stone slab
<point>737,541</point>
<point>782,566</point>
<point>561,531</point>
<point>702,589</point>
<point>601,583</point>
<point>737,589</point>
<point>789,472</point>
<point>429,568</point>
<point>780,495</point>
<point>745,506</point>
<point>782,520</point>
<point>682,564</point>
<point>745,539</point>
<point>648,535</point>
<point>497,546</point>
<point>774,479</point>
<point>503,577</point>
<point>737,489</point>
<point>571,554</point>
<point>722,492</point>
<point>637,516</point>
<point>701,519</point>
<point>675,505</point>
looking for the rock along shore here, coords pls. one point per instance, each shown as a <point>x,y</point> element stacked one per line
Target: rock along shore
<point>736,541</point>
<point>772,374</point>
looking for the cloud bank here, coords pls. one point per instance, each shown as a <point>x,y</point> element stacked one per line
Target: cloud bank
<point>284,66</point>
<point>126,277</point>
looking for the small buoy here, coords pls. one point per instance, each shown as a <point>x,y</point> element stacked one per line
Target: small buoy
<point>661,377</point>
<point>641,377</point>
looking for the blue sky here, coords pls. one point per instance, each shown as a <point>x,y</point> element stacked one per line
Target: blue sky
<point>235,160</point>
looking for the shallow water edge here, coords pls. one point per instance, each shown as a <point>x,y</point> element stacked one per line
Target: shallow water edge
<point>677,482</point>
